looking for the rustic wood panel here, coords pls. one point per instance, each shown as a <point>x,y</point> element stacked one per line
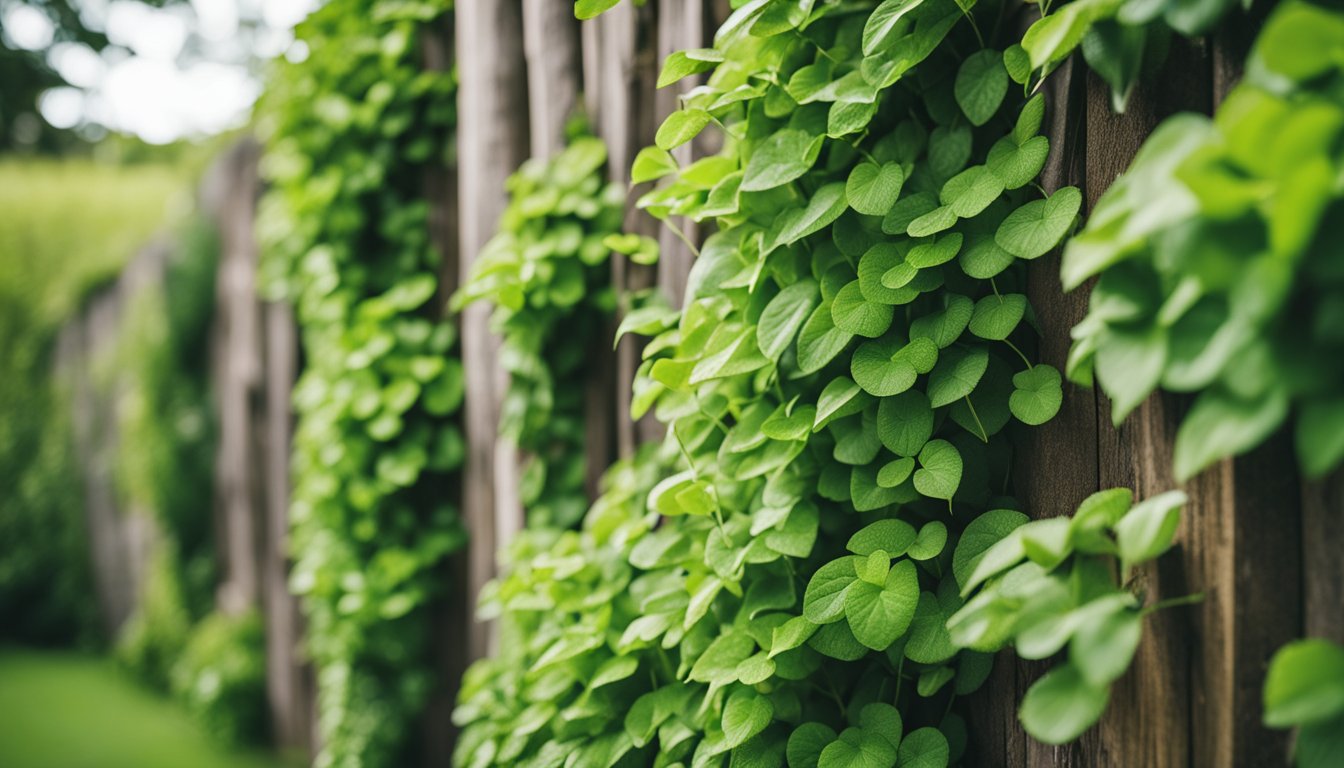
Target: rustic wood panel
<point>492,141</point>
<point>621,63</point>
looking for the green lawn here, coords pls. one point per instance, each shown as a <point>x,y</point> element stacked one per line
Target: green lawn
<point>63,710</point>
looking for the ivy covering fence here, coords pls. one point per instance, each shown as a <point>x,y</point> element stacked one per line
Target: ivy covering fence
<point>773,383</point>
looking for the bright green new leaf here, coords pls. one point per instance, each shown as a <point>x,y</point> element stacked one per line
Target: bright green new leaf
<point>1148,529</point>
<point>872,189</point>
<point>1061,705</point>
<point>680,127</point>
<point>783,157</point>
<point>824,599</point>
<point>879,615</point>
<point>1037,394</point>
<point>939,472</point>
<point>891,536</point>
<point>746,714</point>
<point>855,314</point>
<point>784,316</point>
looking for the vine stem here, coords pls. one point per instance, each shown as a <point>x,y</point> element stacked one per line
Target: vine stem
<point>1173,602</point>
<point>681,236</point>
<point>1013,347</point>
<point>984,436</point>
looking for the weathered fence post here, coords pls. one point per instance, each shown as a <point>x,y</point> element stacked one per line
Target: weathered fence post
<point>492,140</point>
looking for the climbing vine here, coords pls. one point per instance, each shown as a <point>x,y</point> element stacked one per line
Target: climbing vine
<point>838,391</point>
<point>547,274</point>
<point>355,126</point>
<point>1217,255</point>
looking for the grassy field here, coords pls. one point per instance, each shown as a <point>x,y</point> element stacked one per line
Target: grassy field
<point>61,710</point>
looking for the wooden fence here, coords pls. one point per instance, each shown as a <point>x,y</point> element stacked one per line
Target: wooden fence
<point>1260,545</point>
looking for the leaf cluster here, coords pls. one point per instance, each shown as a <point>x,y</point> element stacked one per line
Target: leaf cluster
<point>546,272</point>
<point>1216,252</point>
<point>838,392</point>
<point>354,132</point>
<point>1305,690</point>
<point>1048,584</point>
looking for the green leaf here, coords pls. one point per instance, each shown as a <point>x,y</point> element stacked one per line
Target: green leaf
<point>824,599</point>
<point>791,634</point>
<point>1035,228</point>
<point>877,370</point>
<point>1017,165</point>
<point>874,265</point>
<point>1061,705</point>
<point>891,536</point>
<point>854,314</point>
<point>806,744</point>
<point>857,748</point>
<point>841,398</point>
<point>940,219</point>
<point>1320,435</point>
<point>882,23</point>
<point>884,720</point>
<point>1029,119</point>
<point>879,615</point>
<point>1101,650</point>
<point>784,315</point>
<point>895,472</point>
<point>929,641</point>
<point>940,251</point>
<point>1148,529</point>
<point>946,325</point>
<point>1037,394</point>
<point>924,748</point>
<point>823,207</point>
<point>971,191</point>
<point>587,9</point>
<point>1017,64</point>
<point>939,473</point>
<point>982,533</point>
<point>746,714</point>
<point>1305,684</point>
<point>873,189</point>
<point>820,341</point>
<point>932,538</point>
<point>1129,366</point>
<point>680,127</point>
<point>689,62</point>
<point>959,369</point>
<point>650,164</point>
<point>981,84</point>
<point>1221,425</point>
<point>905,422</point>
<point>718,664</point>
<point>996,317</point>
<point>783,157</point>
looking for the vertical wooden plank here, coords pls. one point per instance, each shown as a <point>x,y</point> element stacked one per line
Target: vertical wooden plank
<point>624,72</point>
<point>681,25</point>
<point>1322,567</point>
<point>1149,721</point>
<point>492,140</point>
<point>554,73</point>
<point>288,683</point>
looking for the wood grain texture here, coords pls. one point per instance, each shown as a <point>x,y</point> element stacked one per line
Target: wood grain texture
<point>621,62</point>
<point>1149,721</point>
<point>492,141</point>
<point>554,74</point>
<point>1322,566</point>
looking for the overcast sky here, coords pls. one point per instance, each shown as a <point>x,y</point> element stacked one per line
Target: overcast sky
<point>186,73</point>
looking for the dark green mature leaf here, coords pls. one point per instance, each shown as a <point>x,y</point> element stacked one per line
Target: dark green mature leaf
<point>924,748</point>
<point>905,422</point>
<point>958,371</point>
<point>981,85</point>
<point>806,744</point>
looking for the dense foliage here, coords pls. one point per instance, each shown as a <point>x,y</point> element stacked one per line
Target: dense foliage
<point>547,274</point>
<point>838,392</point>
<point>66,227</point>
<point>1218,255</point>
<point>1305,690</point>
<point>221,677</point>
<point>355,130</point>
